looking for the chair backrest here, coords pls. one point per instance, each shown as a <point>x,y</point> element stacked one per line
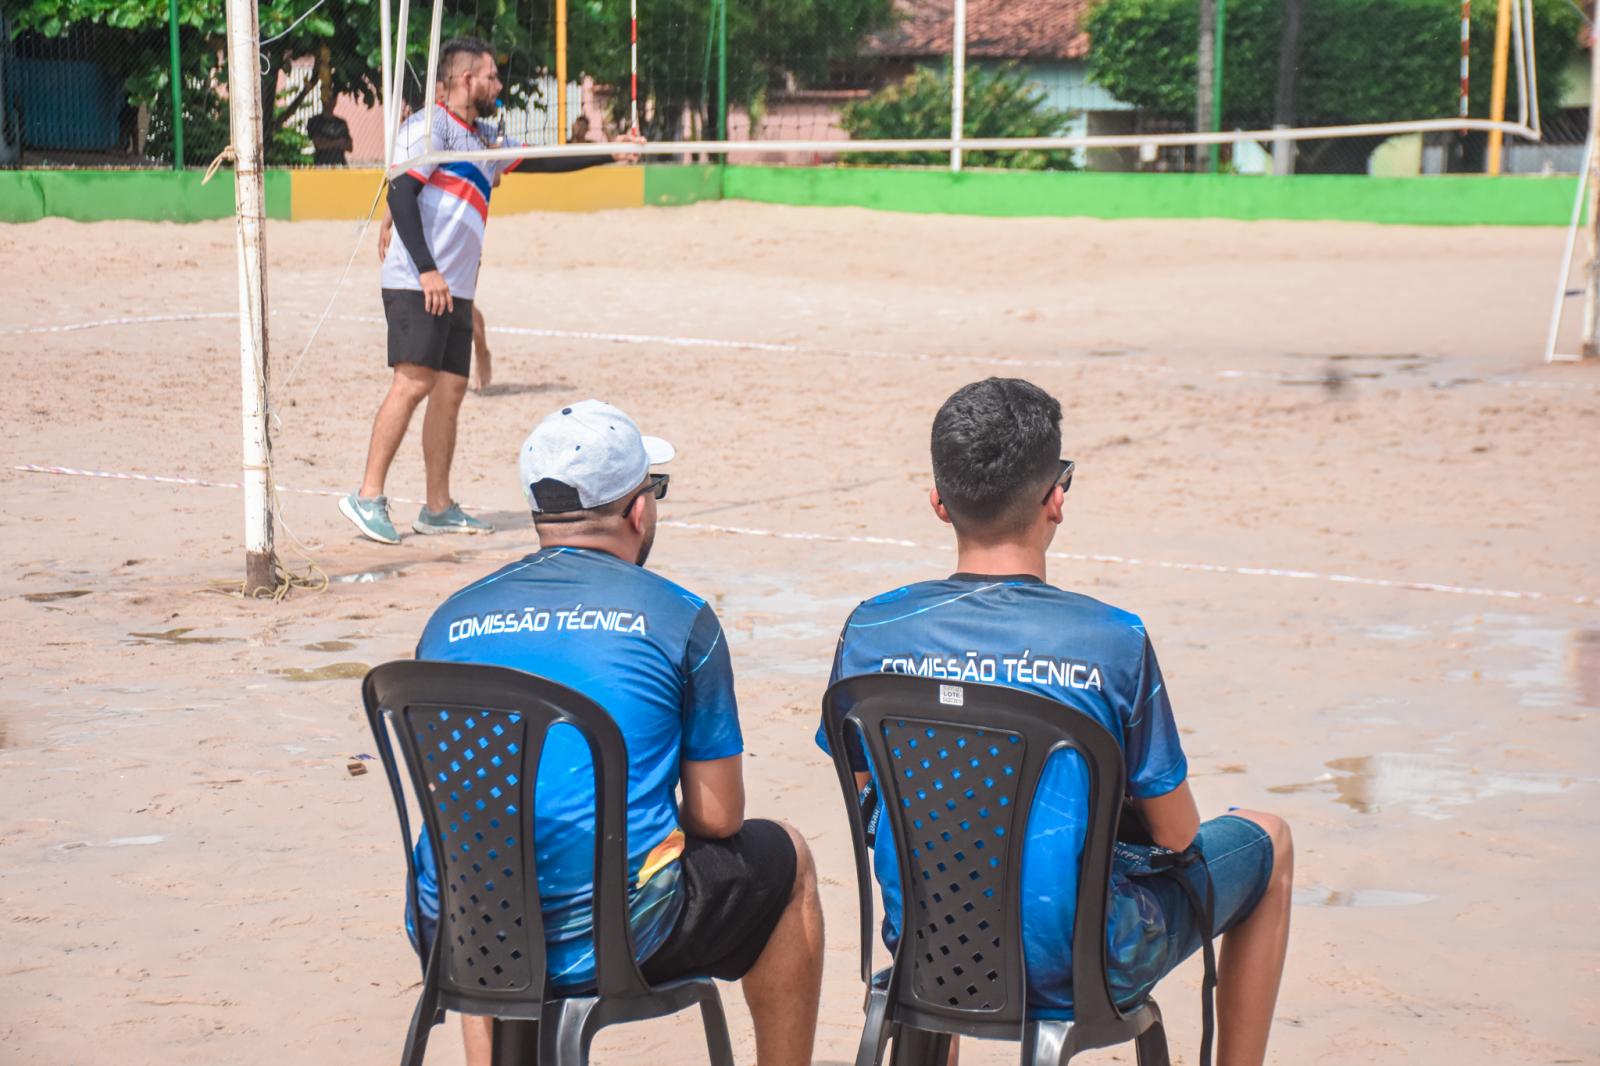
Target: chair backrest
<point>472,737</point>
<point>958,766</point>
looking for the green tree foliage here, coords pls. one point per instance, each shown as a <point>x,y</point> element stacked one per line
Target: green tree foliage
<point>770,43</point>
<point>999,102</point>
<point>1360,60</point>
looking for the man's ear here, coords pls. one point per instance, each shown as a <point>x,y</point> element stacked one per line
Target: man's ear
<point>938,506</point>
<point>1053,507</point>
<point>635,513</point>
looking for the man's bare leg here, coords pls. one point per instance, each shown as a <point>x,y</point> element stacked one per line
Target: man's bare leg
<point>439,436</point>
<point>1251,963</point>
<point>481,368</point>
<point>477,1035</point>
<point>785,985</point>
<point>410,386</point>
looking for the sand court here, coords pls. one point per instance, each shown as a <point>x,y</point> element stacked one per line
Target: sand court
<point>1322,461</point>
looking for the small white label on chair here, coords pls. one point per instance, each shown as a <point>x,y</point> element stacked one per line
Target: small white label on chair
<point>951,695</point>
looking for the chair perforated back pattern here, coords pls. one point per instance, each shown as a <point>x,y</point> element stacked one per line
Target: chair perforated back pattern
<point>472,737</point>
<point>958,766</point>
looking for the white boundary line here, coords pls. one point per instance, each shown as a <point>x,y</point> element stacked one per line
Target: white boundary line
<point>838,538</point>
<point>667,340</point>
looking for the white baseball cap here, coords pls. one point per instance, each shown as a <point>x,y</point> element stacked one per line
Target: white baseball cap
<point>586,455</point>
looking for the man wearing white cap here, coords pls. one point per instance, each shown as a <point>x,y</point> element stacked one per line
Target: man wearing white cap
<point>712,894</point>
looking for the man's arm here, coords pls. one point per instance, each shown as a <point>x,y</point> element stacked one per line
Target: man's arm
<point>407,213</point>
<point>713,797</point>
<point>1173,819</point>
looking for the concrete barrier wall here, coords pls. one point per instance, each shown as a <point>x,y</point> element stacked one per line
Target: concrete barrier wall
<point>94,195</point>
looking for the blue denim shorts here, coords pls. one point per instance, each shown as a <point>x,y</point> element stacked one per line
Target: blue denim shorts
<point>1238,855</point>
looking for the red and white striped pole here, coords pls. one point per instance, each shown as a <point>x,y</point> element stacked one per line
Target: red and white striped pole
<point>633,64</point>
<point>1466,54</point>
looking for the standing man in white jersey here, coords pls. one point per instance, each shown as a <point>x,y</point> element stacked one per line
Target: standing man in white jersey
<point>429,278</point>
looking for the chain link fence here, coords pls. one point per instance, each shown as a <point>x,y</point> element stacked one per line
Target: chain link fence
<point>90,82</point>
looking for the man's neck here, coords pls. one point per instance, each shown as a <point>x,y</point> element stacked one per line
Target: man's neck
<point>999,559</point>
<point>463,110</point>
<point>609,545</point>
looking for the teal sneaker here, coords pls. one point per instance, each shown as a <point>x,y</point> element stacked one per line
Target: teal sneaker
<point>371,517</point>
<point>450,520</point>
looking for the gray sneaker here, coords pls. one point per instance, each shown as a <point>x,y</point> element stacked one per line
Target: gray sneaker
<point>450,520</point>
<point>371,517</point>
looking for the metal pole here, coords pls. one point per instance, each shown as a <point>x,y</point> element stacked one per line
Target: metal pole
<point>397,98</point>
<point>177,86</point>
<point>1591,279</point>
<point>561,71</point>
<point>1553,334</point>
<point>250,205</point>
<point>1288,78</point>
<point>385,28</point>
<point>958,83</point>
<point>1205,59</point>
<point>722,70</point>
<point>431,88</point>
<point>633,67</point>
<point>1497,89</point>
<point>1217,68</point>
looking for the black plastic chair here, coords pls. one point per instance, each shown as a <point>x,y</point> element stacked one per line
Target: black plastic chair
<point>471,737</point>
<point>959,765</point>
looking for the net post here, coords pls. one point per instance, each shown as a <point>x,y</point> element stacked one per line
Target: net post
<point>1497,88</point>
<point>561,71</point>
<point>250,205</point>
<point>958,83</point>
<point>177,85</point>
<point>397,97</point>
<point>385,28</point>
<point>430,97</point>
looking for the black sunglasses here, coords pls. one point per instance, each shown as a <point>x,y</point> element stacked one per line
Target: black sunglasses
<point>1063,480</point>
<point>656,486</point>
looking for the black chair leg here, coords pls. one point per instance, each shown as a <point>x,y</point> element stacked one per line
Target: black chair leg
<point>718,1043</point>
<point>516,1043</point>
<point>1152,1046</point>
<point>874,1032</point>
<point>1044,1043</point>
<point>918,1047</point>
<point>566,1032</point>
<point>421,1025</point>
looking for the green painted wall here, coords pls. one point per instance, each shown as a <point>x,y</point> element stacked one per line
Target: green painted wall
<point>668,185</point>
<point>144,195</point>
<point>94,195</point>
<point>1443,201</point>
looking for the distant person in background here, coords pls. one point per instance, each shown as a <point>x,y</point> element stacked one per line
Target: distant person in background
<point>580,130</point>
<point>330,139</point>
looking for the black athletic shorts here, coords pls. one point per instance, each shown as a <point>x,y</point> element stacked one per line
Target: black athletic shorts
<point>438,342</point>
<point>735,891</point>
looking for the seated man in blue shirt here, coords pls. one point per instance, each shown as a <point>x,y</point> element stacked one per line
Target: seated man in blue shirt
<point>998,480</point>
<point>712,894</point>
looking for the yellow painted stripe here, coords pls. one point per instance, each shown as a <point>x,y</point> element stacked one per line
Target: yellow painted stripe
<point>595,189</point>
<point>347,194</point>
<point>333,193</point>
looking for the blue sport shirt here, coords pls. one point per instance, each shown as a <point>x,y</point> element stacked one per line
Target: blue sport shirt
<point>653,655</point>
<point>1095,660</point>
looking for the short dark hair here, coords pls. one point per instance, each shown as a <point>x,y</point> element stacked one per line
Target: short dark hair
<point>995,447</point>
<point>461,46</point>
